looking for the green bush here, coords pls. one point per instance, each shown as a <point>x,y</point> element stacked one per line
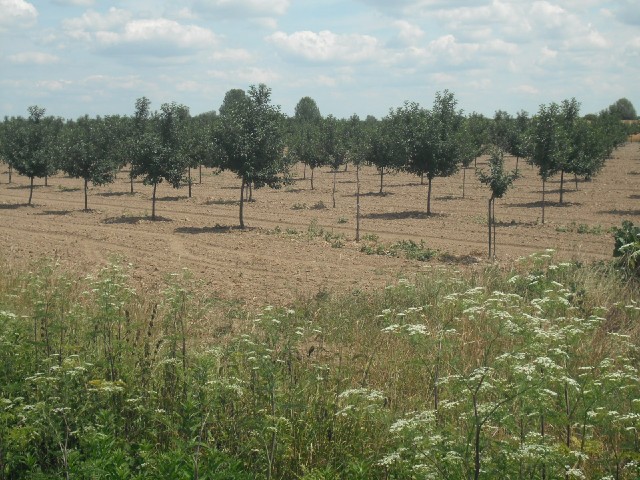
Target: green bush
<point>627,247</point>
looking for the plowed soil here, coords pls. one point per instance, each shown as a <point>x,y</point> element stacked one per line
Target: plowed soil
<point>275,259</point>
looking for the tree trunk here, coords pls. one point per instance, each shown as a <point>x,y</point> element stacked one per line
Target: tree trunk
<point>381,178</point>
<point>250,186</point>
<point>86,187</point>
<point>242,204</point>
<point>493,222</point>
<point>575,176</point>
<point>422,179</point>
<point>304,171</point>
<point>153,202</point>
<point>46,180</point>
<point>131,178</point>
<point>31,191</point>
<point>561,184</point>
<point>517,161</point>
<point>10,171</point>
<point>333,193</point>
<point>429,198</point>
<point>489,224</point>
<point>189,174</point>
<point>358,202</point>
<point>312,169</point>
<point>543,190</point>
<point>200,171</point>
<point>464,179</point>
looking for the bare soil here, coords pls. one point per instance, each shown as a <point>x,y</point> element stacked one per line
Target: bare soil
<point>275,260</point>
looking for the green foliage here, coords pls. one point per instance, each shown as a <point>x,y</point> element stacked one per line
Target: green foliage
<point>159,145</point>
<point>529,372</point>
<point>30,146</point>
<point>623,109</point>
<point>90,150</point>
<point>627,247</point>
<point>405,248</point>
<point>430,139</point>
<point>250,138</point>
<point>497,179</point>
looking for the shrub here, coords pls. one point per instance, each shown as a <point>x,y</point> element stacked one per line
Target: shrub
<point>627,247</point>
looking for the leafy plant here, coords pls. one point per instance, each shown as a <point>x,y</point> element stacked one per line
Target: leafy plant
<point>627,247</point>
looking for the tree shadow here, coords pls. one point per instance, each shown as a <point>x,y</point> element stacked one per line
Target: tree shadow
<point>448,197</point>
<point>215,229</point>
<point>14,206</point>
<point>221,201</point>
<point>115,194</point>
<point>295,190</point>
<point>371,194</point>
<point>547,203</point>
<point>414,214</point>
<point>69,189</point>
<point>133,220</point>
<point>26,187</point>
<point>514,223</point>
<point>56,212</point>
<point>617,211</point>
<point>634,196</point>
<point>172,198</point>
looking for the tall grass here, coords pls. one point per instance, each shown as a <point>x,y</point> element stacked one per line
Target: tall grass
<point>528,372</point>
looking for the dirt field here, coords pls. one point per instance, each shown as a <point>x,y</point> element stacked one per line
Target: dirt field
<point>274,260</point>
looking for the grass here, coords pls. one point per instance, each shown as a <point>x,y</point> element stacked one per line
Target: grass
<point>582,228</point>
<point>405,248</point>
<point>448,375</point>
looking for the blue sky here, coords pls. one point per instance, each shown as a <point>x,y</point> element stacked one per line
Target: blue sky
<point>95,57</point>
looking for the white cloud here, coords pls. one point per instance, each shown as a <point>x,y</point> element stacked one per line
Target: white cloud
<point>17,14</point>
<point>632,48</point>
<point>527,89</point>
<point>161,31</point>
<point>76,3</point>
<point>232,55</point>
<point>408,32</point>
<point>117,31</point>
<point>327,46</point>
<point>128,82</point>
<point>248,75</point>
<point>82,28</point>
<point>53,85</point>
<point>33,58</point>
<point>244,8</point>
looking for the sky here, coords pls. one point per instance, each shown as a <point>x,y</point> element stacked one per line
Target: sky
<point>96,57</point>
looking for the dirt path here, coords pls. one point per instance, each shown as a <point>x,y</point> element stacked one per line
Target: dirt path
<point>275,260</point>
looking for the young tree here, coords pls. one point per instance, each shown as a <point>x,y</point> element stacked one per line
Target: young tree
<point>478,128</point>
<point>250,139</point>
<point>140,127</point>
<point>518,141</point>
<point>499,182</point>
<point>159,153</point>
<point>197,146</point>
<point>382,149</point>
<point>546,144</point>
<point>431,138</point>
<point>33,142</point>
<point>10,146</point>
<point>333,147</point>
<point>624,109</point>
<point>305,135</point>
<point>89,152</point>
<point>500,130</point>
